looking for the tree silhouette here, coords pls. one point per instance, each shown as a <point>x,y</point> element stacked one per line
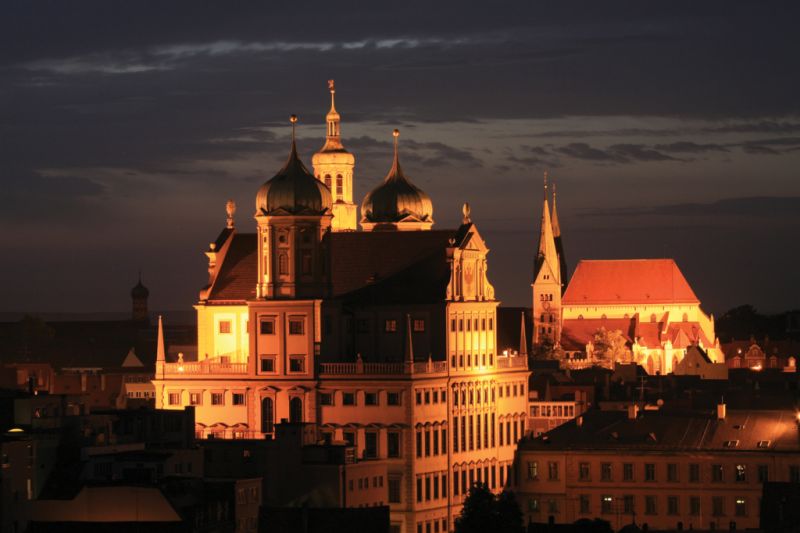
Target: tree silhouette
<point>483,512</point>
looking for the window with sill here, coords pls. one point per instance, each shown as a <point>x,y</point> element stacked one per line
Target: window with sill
<point>326,398</point>
<point>217,398</point>
<point>583,471</point>
<point>371,398</point>
<point>267,363</point>
<point>297,363</point>
<point>224,327</point>
<point>174,398</point>
<point>390,326</point>
<point>393,444</point>
<point>195,398</point>
<point>348,398</point>
<point>650,472</point>
<point>296,326</point>
<point>267,326</point>
<point>419,325</point>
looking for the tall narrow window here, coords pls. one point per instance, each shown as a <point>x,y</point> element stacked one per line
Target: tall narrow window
<point>283,264</point>
<point>267,416</point>
<point>339,187</point>
<point>328,180</point>
<point>295,410</point>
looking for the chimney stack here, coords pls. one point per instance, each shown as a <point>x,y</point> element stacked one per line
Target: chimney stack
<point>633,412</point>
<point>721,411</point>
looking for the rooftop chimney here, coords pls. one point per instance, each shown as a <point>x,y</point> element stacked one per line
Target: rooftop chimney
<point>721,411</point>
<point>633,412</point>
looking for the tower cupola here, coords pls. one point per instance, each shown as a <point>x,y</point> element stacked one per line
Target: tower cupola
<point>396,204</point>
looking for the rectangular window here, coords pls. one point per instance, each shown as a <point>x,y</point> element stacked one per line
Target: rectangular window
<point>195,398</point>
<point>605,471</point>
<point>606,504</point>
<point>552,471</point>
<point>649,472</point>
<point>371,398</point>
<point>296,326</point>
<point>583,472</point>
<point>217,398</point>
<point>672,505</point>
<point>419,490</point>
<point>435,442</point>
<point>393,398</point>
<point>672,472</point>
<point>393,444</point>
<point>224,326</point>
<point>716,473</point>
<point>297,363</point>
<point>718,506</point>
<point>370,445</point>
<point>419,325</point>
<point>649,505</point>
<point>741,473</point>
<point>239,398</point>
<point>585,505</point>
<point>427,443</point>
<point>533,470</point>
<point>694,505</point>
<point>628,506</point>
<point>349,438</point>
<point>390,326</point>
<point>348,398</point>
<point>394,490</point>
<point>452,324</point>
<point>627,472</point>
<point>267,326</point>
<point>267,363</point>
<point>174,398</point>
<point>741,507</point>
<point>763,473</point>
<point>419,443</point>
<point>694,473</point>
<point>794,474</point>
<point>427,489</point>
<point>325,398</point>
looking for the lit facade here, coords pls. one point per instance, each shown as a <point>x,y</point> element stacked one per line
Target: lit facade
<point>648,301</point>
<point>385,338</point>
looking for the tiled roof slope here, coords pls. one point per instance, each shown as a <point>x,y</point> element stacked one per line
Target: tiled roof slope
<point>404,265</point>
<point>743,430</point>
<point>628,281</point>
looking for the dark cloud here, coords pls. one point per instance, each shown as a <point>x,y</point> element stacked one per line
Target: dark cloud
<point>752,206</point>
<point>617,153</point>
<point>690,147</point>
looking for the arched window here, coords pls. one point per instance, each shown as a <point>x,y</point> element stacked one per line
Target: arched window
<point>295,410</point>
<point>267,416</point>
<point>339,187</point>
<point>685,317</point>
<point>328,180</point>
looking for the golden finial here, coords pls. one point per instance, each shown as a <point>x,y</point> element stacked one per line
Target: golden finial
<point>293,120</point>
<point>230,210</point>
<point>331,86</point>
<point>465,209</point>
<point>395,134</point>
<point>545,184</point>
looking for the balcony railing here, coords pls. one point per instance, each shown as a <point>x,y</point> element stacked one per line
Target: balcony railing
<point>511,362</point>
<point>210,366</point>
<point>382,369</point>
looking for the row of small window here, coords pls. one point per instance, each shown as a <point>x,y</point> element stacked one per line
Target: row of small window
<point>717,472</point>
<point>393,449</point>
<point>390,325</point>
<point>429,396</point>
<point>486,395</point>
<point>216,398</point>
<point>428,441</point>
<point>471,324</point>
<point>553,411</point>
<point>429,526</point>
<point>478,360</point>
<point>141,394</point>
<point>339,184</point>
<point>546,317</point>
<point>267,363</point>
<point>627,505</point>
<point>350,398</point>
<point>428,486</point>
<point>267,326</point>
<point>363,483</point>
<point>489,475</point>
<point>546,297</point>
<point>468,436</point>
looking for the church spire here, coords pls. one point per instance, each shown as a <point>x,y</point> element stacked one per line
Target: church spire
<point>333,139</point>
<point>547,249</point>
<point>562,260</point>
<point>556,227</point>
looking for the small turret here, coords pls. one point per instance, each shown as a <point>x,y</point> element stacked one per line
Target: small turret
<point>139,295</point>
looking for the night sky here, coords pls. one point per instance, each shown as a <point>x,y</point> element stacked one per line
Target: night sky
<point>671,129</point>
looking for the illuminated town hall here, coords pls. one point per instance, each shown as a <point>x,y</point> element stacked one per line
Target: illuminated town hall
<point>384,338</point>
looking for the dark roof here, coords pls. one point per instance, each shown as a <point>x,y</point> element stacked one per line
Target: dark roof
<point>674,431</point>
<point>399,265</point>
<point>293,191</point>
<point>90,343</point>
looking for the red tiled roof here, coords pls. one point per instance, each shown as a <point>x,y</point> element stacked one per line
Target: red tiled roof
<point>238,274</point>
<point>628,281</point>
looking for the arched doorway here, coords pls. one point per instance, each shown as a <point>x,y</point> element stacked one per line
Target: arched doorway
<point>295,410</point>
<point>267,416</point>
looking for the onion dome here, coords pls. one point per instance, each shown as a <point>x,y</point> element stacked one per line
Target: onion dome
<point>139,291</point>
<point>293,190</point>
<point>397,202</point>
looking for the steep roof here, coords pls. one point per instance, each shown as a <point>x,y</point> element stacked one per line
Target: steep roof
<point>392,265</point>
<point>628,281</point>
<point>743,430</point>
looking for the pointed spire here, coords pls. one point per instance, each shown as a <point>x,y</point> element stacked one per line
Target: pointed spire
<point>396,172</point>
<point>409,340</point>
<point>556,227</point>
<point>160,354</point>
<point>547,248</point>
<point>523,339</point>
<point>333,141</point>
